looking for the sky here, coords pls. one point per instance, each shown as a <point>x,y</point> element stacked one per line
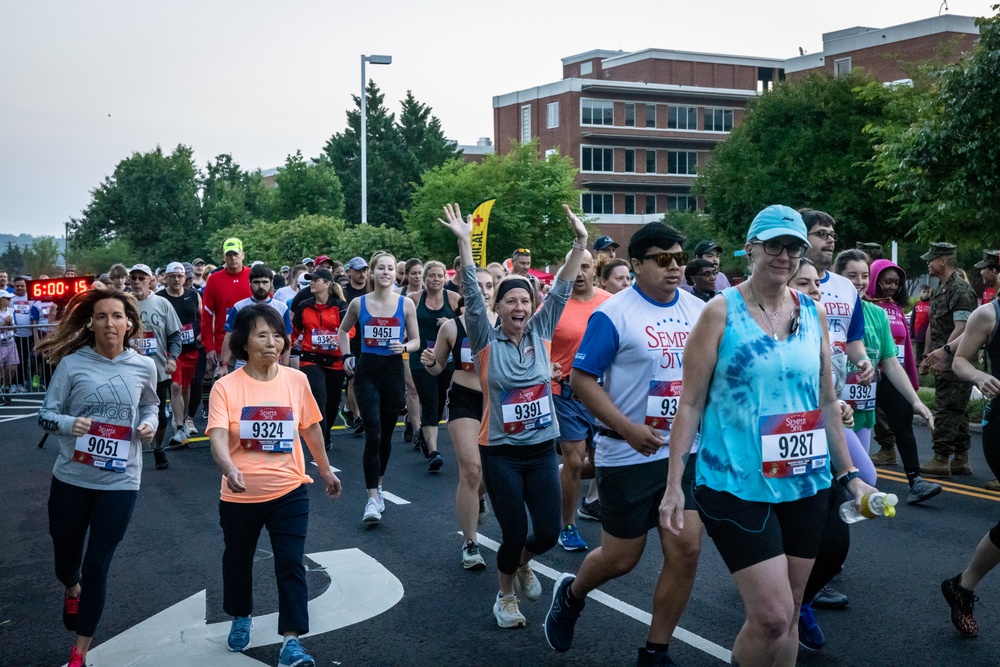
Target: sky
<point>83,85</point>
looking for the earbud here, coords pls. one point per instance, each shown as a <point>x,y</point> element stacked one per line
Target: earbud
<point>90,323</point>
<point>129,323</point>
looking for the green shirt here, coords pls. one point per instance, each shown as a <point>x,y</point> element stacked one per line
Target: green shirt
<point>880,345</point>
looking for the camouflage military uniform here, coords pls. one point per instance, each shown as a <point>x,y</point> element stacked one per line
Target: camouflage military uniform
<point>951,402</point>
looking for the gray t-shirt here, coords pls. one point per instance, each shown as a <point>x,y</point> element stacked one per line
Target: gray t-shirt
<point>114,394</point>
<point>160,319</point>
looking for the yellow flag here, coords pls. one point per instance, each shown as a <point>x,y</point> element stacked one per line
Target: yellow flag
<point>480,222</point>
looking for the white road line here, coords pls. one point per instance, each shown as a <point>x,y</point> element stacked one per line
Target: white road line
<point>394,499</point>
<point>16,417</point>
<point>317,465</point>
<point>680,633</point>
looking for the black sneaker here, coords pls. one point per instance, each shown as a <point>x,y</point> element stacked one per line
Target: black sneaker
<point>590,509</point>
<point>418,441</point>
<point>560,620</point>
<point>830,598</point>
<point>408,431</point>
<point>359,426</point>
<point>161,459</point>
<point>962,602</point>
<point>436,462</point>
<point>921,490</point>
<point>347,416</point>
<point>654,659</point>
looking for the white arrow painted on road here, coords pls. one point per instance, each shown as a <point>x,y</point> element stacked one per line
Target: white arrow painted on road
<point>360,588</point>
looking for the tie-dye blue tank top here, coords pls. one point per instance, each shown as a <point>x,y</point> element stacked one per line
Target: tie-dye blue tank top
<point>762,434</point>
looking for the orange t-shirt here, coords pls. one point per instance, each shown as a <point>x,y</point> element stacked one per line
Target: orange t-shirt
<point>256,415</point>
<point>569,331</point>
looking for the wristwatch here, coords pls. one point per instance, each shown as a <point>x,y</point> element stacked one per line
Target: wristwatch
<point>847,477</point>
<point>947,349</point>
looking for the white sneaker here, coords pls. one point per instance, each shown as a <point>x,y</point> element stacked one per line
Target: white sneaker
<point>484,511</point>
<point>372,515</point>
<point>191,429</point>
<point>526,583</point>
<point>379,499</point>
<point>471,558</point>
<point>177,439</point>
<point>506,612</point>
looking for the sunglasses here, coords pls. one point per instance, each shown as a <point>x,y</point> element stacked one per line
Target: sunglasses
<point>522,251</point>
<point>663,259</point>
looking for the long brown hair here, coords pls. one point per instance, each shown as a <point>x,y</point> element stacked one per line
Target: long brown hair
<point>73,332</point>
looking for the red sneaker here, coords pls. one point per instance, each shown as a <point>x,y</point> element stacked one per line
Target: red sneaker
<point>71,607</point>
<point>76,659</point>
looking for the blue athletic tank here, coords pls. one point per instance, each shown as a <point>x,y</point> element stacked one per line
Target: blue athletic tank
<point>762,435</point>
<point>378,332</point>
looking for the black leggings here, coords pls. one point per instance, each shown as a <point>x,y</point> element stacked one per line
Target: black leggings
<point>194,400</point>
<point>833,546</point>
<point>73,511</point>
<point>991,448</point>
<point>433,393</point>
<point>380,392</point>
<point>899,419</point>
<point>326,385</point>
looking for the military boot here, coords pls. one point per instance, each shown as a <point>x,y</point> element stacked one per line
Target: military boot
<point>960,464</point>
<point>885,457</point>
<point>936,467</point>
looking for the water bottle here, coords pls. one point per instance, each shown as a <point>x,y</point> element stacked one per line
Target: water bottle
<point>872,505</point>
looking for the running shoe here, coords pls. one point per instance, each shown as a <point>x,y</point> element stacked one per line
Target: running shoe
<point>992,485</point>
<point>347,416</point>
<point>506,612</point>
<point>921,490</point>
<point>359,426</point>
<point>590,509</point>
<point>419,442</point>
<point>570,540</point>
<point>71,608</point>
<point>239,633</point>
<point>560,620</point>
<point>76,659</point>
<point>484,511</point>
<point>647,658</point>
<point>436,462</point>
<point>471,558</point>
<point>811,636</point>
<point>526,584</point>
<point>372,515</point>
<point>161,459</point>
<point>830,598</point>
<point>379,499</point>
<point>4,398</point>
<point>962,602</point>
<point>179,439</point>
<point>408,431</point>
<point>293,655</point>
<point>192,430</point>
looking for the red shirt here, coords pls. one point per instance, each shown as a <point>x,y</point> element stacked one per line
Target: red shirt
<point>921,318</point>
<point>988,294</point>
<point>222,290</point>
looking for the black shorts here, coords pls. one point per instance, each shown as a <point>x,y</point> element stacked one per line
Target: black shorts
<point>631,495</point>
<point>747,532</point>
<point>163,393</point>
<point>464,403</point>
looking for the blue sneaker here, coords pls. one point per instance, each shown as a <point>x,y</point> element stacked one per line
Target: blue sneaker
<point>560,621</point>
<point>570,540</point>
<point>239,633</point>
<point>811,635</point>
<point>293,655</point>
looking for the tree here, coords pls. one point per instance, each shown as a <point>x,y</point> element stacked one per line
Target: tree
<point>231,196</point>
<point>150,202</point>
<point>12,260</point>
<point>99,259</point>
<point>943,170</point>
<point>283,241</point>
<point>529,190</point>
<point>306,189</point>
<point>366,240</point>
<point>700,227</point>
<point>397,154</point>
<point>42,257</point>
<point>803,144</point>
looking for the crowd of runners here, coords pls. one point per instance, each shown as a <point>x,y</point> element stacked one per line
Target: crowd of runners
<point>636,388</point>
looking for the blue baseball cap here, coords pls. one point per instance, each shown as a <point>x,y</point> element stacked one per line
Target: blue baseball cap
<point>777,220</point>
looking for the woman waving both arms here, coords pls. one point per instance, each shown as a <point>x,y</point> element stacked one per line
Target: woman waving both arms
<point>379,383</point>
<point>517,440</point>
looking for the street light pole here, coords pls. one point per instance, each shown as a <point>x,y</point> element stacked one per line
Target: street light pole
<point>374,60</point>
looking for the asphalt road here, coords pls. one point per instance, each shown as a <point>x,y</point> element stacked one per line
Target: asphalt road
<point>173,551</point>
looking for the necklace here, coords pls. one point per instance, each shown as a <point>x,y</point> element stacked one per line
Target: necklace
<point>769,317</point>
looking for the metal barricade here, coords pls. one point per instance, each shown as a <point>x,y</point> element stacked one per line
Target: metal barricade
<point>21,370</point>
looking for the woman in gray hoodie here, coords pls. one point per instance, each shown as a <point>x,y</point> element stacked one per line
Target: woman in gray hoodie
<point>102,404</point>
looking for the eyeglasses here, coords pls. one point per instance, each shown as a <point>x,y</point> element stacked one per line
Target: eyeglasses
<point>704,274</point>
<point>824,235</point>
<point>663,259</point>
<point>773,248</point>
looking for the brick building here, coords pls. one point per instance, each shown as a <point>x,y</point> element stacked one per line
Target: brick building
<point>638,125</point>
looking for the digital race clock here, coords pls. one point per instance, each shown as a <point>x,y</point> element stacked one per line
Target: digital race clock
<point>58,289</point>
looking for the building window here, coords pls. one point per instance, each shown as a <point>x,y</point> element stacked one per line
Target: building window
<point>597,203</point>
<point>682,118</point>
<point>525,124</point>
<point>650,115</point>
<point>629,204</point>
<point>597,159</point>
<point>650,161</point>
<point>552,115</point>
<point>630,160</point>
<point>630,114</point>
<point>597,112</point>
<point>841,66</point>
<point>681,203</point>
<point>650,204</point>
<point>586,68</point>
<point>684,163</point>
<point>718,120</point>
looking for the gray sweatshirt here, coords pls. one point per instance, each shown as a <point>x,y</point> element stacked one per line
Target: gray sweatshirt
<point>119,392</point>
<point>515,375</point>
